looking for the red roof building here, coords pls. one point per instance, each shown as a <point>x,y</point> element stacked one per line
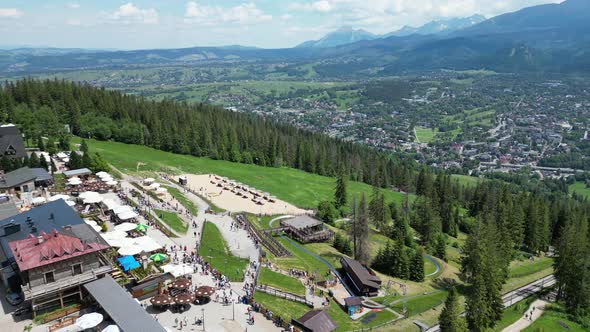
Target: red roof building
<point>37,251</point>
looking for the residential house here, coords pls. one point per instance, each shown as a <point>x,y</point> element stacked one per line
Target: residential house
<point>364,281</point>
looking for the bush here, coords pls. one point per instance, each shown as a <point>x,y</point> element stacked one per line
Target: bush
<point>326,212</point>
<point>104,228</point>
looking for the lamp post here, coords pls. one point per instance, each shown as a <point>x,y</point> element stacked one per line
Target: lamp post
<point>203,313</point>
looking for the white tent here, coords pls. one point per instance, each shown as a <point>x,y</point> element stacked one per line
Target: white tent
<point>161,191</point>
<point>116,238</point>
<point>93,200</point>
<point>89,321</point>
<point>154,186</point>
<point>70,203</point>
<point>101,173</point>
<point>178,270</point>
<point>61,155</point>
<point>74,182</point>
<point>127,215</point>
<point>38,200</point>
<point>125,227</point>
<point>87,194</point>
<point>58,197</point>
<point>129,250</point>
<point>112,183</point>
<point>148,180</point>
<point>121,209</point>
<point>106,179</point>
<point>110,204</point>
<point>147,244</point>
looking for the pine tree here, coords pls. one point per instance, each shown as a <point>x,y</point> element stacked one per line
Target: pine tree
<point>75,160</point>
<point>361,248</point>
<point>43,163</point>
<point>450,319</point>
<point>340,194</point>
<point>34,161</point>
<point>417,266</point>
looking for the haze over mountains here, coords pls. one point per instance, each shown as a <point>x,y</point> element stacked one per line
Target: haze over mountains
<point>548,38</point>
<point>348,35</point>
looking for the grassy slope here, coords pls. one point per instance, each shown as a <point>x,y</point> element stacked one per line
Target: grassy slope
<point>187,203</point>
<point>554,319</point>
<point>580,189</point>
<point>425,135</point>
<point>172,220</point>
<point>215,251</point>
<point>281,281</point>
<point>296,187</point>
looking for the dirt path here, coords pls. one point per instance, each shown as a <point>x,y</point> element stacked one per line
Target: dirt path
<point>524,322</point>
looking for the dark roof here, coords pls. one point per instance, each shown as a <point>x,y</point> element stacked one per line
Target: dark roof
<point>7,208</point>
<point>301,222</point>
<point>353,301</point>
<point>41,174</point>
<point>122,309</point>
<point>16,178</point>
<point>75,172</point>
<point>10,137</point>
<point>362,273</point>
<point>317,321</point>
<point>45,218</point>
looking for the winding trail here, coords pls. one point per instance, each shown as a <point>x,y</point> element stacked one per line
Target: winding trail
<point>524,322</point>
<point>436,264</point>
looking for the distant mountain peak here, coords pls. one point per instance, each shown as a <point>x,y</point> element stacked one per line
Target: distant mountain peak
<point>344,35</point>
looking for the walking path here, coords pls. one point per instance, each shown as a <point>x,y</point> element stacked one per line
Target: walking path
<point>535,311</point>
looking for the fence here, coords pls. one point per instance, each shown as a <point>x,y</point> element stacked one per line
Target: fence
<point>284,295</point>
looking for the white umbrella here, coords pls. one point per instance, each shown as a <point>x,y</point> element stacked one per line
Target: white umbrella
<point>38,200</point>
<point>161,190</point>
<point>129,250</point>
<point>149,180</point>
<point>106,179</point>
<point>154,186</point>
<point>103,175</point>
<point>89,321</point>
<point>147,243</point>
<point>70,203</point>
<point>125,227</point>
<point>74,182</point>
<point>58,197</point>
<point>112,183</point>
<point>87,194</point>
<point>111,328</point>
<point>93,200</point>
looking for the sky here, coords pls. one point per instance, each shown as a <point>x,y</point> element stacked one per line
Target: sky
<point>149,24</point>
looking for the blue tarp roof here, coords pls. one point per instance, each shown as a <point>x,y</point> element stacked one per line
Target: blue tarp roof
<point>128,263</point>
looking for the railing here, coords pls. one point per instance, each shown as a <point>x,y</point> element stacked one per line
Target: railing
<point>32,292</point>
<point>284,295</point>
<point>268,242</point>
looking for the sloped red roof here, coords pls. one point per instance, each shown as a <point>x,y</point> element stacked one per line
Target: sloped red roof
<point>49,248</point>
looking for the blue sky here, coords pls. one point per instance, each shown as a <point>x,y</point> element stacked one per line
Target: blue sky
<point>144,24</point>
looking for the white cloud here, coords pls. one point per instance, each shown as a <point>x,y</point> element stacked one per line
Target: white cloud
<point>74,22</point>
<point>73,5</point>
<point>244,14</point>
<point>286,17</point>
<point>322,6</point>
<point>130,13</point>
<point>10,13</point>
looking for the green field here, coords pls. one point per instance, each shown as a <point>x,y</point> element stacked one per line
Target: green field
<point>187,203</point>
<point>421,303</point>
<point>283,308</point>
<point>281,281</point>
<point>580,189</point>
<point>215,251</point>
<point>466,180</point>
<point>172,220</point>
<point>554,319</point>
<point>519,269</point>
<point>294,186</point>
<point>425,135</point>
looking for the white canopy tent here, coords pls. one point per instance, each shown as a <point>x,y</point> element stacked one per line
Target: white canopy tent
<point>111,328</point>
<point>129,250</point>
<point>112,183</point>
<point>148,180</point>
<point>38,200</point>
<point>87,194</point>
<point>101,173</point>
<point>147,244</point>
<point>74,182</point>
<point>110,204</point>
<point>127,215</point>
<point>154,186</point>
<point>58,197</point>
<point>125,227</point>
<point>161,191</point>
<point>122,208</point>
<point>106,179</point>
<point>178,270</point>
<point>93,200</point>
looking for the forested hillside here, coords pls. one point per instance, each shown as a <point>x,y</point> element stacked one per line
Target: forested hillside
<point>41,107</point>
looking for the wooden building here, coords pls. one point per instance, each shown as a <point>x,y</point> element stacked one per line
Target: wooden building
<point>306,229</point>
<point>362,279</point>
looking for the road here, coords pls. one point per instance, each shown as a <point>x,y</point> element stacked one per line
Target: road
<point>518,294</point>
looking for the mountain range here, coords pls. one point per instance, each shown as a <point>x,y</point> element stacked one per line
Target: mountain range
<point>348,35</point>
<point>544,38</point>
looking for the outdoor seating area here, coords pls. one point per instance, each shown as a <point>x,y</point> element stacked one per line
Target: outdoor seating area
<point>242,190</point>
<point>82,180</point>
<point>306,229</point>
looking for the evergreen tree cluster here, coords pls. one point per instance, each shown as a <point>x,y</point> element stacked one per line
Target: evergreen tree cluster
<point>396,260</point>
<point>44,107</point>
